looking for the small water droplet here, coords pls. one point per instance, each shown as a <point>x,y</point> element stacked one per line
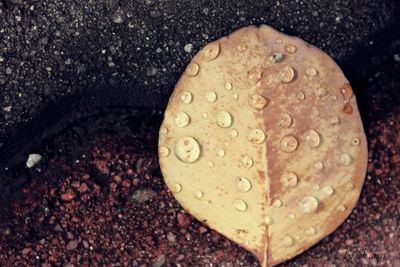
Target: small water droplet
<point>211,97</point>
<point>164,151</point>
<point>318,165</point>
<point>289,179</point>
<point>334,97</point>
<point>226,143</point>
<point>301,96</point>
<point>247,161</point>
<point>355,141</point>
<point>276,203</point>
<point>344,159</point>
<point>321,92</point>
<point>311,72</point>
<point>342,208</point>
<point>334,120</point>
<point>240,205</point>
<point>187,149</point>
<point>312,138</point>
<point>234,133</point>
<point>235,96</point>
<point>291,215</point>
<point>224,119</point>
<point>210,164</point>
<point>278,41</point>
<point>327,190</point>
<point>257,101</point>
<point>192,69</point>
<point>211,51</point>
<point>276,57</point>
<point>164,130</point>
<point>288,241</point>
<point>349,186</point>
<point>268,220</point>
<point>199,194</point>
<point>220,153</point>
<point>316,187</point>
<point>186,97</point>
<point>228,85</point>
<point>182,119</point>
<point>256,136</point>
<point>243,184</point>
<point>241,47</point>
<point>285,120</point>
<point>241,233</point>
<point>308,204</point>
<point>204,116</point>
<point>254,75</point>
<point>287,74</point>
<point>291,49</point>
<point>310,231</point>
<point>177,188</point>
<point>288,143</point>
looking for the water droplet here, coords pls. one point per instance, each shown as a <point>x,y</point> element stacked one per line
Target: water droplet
<point>289,179</point>
<point>192,69</point>
<point>220,153</point>
<point>257,101</point>
<point>204,116</point>
<point>285,120</point>
<point>211,51</point>
<point>347,94</point>
<point>308,204</point>
<point>349,186</point>
<point>164,151</point>
<point>288,241</point>
<point>291,49</point>
<point>177,188</point>
<point>318,165</point>
<point>316,187</point>
<point>187,149</point>
<point>276,57</point>
<point>311,72</point>
<point>224,119</point>
<point>241,47</point>
<point>276,203</point>
<point>234,133</point>
<point>310,231</point>
<point>334,120</point>
<point>247,161</point>
<point>211,97</point>
<point>228,86</point>
<point>344,159</point>
<point>186,97</point>
<point>235,96</point>
<point>355,141</point>
<point>268,220</point>
<point>312,138</point>
<point>321,92</point>
<point>291,215</point>
<point>243,184</point>
<point>241,233</point>
<point>327,190</point>
<point>199,194</point>
<point>342,208</point>
<point>256,136</point>
<point>163,130</point>
<point>287,74</point>
<point>240,205</point>
<point>182,119</point>
<point>278,41</point>
<point>300,96</point>
<point>288,143</point>
<point>254,75</point>
<point>226,143</point>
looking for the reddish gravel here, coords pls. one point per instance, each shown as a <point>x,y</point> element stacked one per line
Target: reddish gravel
<point>106,205</point>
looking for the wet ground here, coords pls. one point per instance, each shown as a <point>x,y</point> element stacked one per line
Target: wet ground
<point>97,197</point>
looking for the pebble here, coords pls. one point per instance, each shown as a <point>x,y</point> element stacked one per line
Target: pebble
<point>188,48</point>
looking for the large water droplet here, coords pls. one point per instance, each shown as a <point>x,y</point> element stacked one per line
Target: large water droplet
<point>291,49</point>
<point>186,97</point>
<point>240,205</point>
<point>310,231</point>
<point>288,143</point>
<point>327,190</point>
<point>312,138</point>
<point>164,151</point>
<point>285,120</point>
<point>177,188</point>
<point>257,101</point>
<point>247,161</point>
<point>311,72</point>
<point>289,179</point>
<point>287,74</point>
<point>182,119</point>
<point>308,204</point>
<point>268,220</point>
<point>256,136</point>
<point>241,47</point>
<point>288,241</point>
<point>243,184</point>
<point>220,153</point>
<point>276,57</point>
<point>224,119</point>
<point>211,97</point>
<point>211,51</point>
<point>254,75</point>
<point>192,69</point>
<point>344,159</point>
<point>187,149</point>
<point>198,194</point>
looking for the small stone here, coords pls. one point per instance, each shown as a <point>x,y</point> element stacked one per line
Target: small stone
<point>73,244</point>
<point>68,196</point>
<point>32,160</point>
<point>188,48</point>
